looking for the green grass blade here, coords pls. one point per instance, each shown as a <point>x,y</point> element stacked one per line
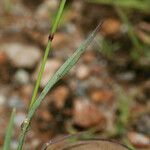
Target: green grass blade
<point>62,71</point>
<point>47,50</point>
<point>132,4</point>
<point>124,103</point>
<point>8,136</point>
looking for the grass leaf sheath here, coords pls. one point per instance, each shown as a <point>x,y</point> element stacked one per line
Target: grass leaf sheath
<point>62,71</point>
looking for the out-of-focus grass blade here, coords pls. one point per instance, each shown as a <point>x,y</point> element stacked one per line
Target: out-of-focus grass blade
<point>128,143</point>
<point>124,103</point>
<point>9,131</point>
<point>62,71</point>
<point>133,4</point>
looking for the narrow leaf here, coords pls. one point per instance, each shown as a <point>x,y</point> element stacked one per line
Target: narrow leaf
<point>63,70</point>
<point>9,131</point>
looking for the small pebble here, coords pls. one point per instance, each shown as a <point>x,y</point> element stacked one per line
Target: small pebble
<point>44,115</point>
<point>21,77</point>
<point>111,26</point>
<point>143,124</point>
<point>22,56</point>
<point>82,72</point>
<point>60,95</point>
<point>15,101</point>
<point>102,96</point>
<point>86,114</point>
<point>19,118</point>
<point>35,143</point>
<point>126,76</point>
<point>3,58</point>
<point>14,144</point>
<point>2,100</point>
<point>139,140</point>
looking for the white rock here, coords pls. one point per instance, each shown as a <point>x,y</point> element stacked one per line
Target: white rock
<point>46,7</point>
<point>139,139</point>
<point>19,118</point>
<point>22,55</point>
<point>82,72</point>
<point>21,77</point>
<point>2,100</point>
<point>14,144</point>
<point>15,101</point>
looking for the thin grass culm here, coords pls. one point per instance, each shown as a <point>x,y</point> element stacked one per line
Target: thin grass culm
<point>62,71</point>
<point>47,50</point>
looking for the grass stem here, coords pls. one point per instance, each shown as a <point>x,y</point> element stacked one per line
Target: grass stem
<point>47,50</point>
<point>42,67</point>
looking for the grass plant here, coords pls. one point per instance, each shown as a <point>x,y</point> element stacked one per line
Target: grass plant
<point>62,71</point>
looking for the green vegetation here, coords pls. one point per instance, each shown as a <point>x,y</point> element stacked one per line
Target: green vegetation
<point>47,50</point>
<point>124,102</point>
<point>108,49</point>
<point>9,132</point>
<point>143,5</point>
<point>139,48</point>
<point>7,5</point>
<point>62,71</point>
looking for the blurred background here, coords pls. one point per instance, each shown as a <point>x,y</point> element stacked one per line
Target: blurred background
<point>106,93</point>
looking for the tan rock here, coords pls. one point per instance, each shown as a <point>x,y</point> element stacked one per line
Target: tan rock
<point>139,140</point>
<point>82,72</point>
<point>3,58</point>
<point>87,114</point>
<point>60,95</point>
<point>111,26</point>
<point>45,115</point>
<point>102,96</point>
<point>60,40</point>
<point>89,56</point>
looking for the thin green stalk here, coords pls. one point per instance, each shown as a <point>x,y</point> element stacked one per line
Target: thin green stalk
<point>62,71</point>
<point>47,50</point>
<point>8,136</point>
<point>124,103</point>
